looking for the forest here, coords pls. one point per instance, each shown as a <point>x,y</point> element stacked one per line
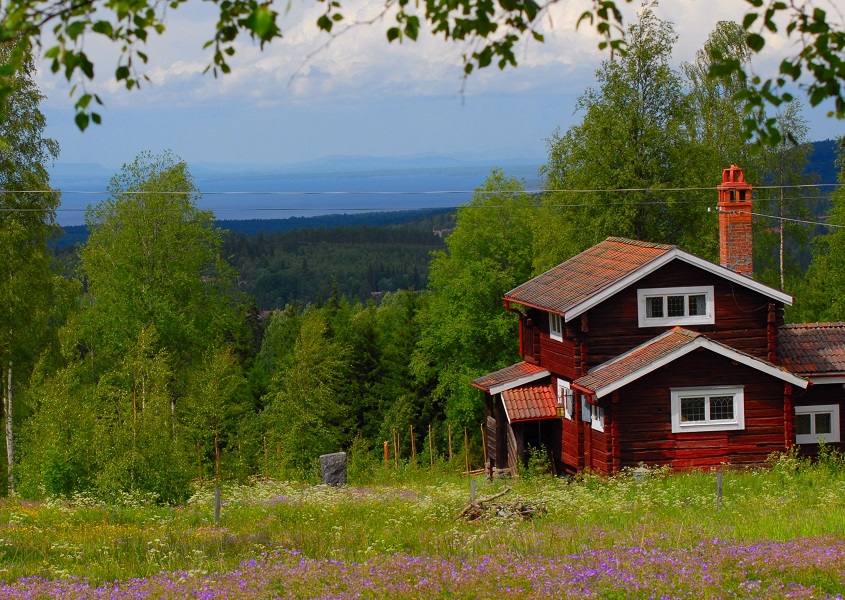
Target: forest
<point>140,363</point>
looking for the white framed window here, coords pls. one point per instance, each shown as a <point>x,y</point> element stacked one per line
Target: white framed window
<point>659,307</point>
<point>555,327</point>
<point>592,414</point>
<point>597,418</point>
<point>707,409</point>
<point>566,399</point>
<point>813,423</point>
<point>586,409</point>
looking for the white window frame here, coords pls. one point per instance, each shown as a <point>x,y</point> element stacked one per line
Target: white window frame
<point>592,414</point>
<point>813,438</point>
<point>586,410</point>
<point>737,423</point>
<point>556,327</point>
<point>597,417</point>
<point>708,318</point>
<point>566,398</point>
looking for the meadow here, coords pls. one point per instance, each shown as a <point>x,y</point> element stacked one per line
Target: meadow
<point>776,532</point>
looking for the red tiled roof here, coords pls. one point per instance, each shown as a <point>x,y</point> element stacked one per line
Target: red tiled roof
<point>641,357</point>
<point>530,403</point>
<point>570,283</point>
<point>662,350</point>
<point>511,374</point>
<point>813,348</point>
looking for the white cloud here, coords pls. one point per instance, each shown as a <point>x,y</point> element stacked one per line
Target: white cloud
<point>320,77</point>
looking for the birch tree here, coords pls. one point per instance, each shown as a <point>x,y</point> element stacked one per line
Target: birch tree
<point>158,300</point>
<point>27,220</point>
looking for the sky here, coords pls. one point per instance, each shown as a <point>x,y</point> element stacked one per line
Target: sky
<point>309,96</point>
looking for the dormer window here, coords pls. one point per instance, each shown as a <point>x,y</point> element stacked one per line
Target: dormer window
<point>555,327</point>
<point>659,307</point>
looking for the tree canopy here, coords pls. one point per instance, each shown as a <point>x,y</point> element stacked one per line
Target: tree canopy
<point>27,285</point>
<point>491,31</point>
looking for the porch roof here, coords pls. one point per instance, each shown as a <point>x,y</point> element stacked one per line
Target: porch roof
<point>530,403</point>
<point>510,377</point>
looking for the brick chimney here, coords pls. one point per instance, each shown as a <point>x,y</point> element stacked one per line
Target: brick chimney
<point>735,222</point>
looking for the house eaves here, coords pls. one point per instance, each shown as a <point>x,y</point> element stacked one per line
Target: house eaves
<point>521,373</point>
<point>662,350</point>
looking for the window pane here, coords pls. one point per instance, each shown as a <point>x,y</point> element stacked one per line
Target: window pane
<point>697,305</point>
<point>802,425</point>
<point>692,409</point>
<point>676,306</point>
<point>721,408</point>
<point>554,324</point>
<point>654,307</point>
<point>823,423</point>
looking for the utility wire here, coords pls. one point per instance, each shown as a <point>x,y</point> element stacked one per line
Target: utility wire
<point>652,190</point>
<point>792,220</point>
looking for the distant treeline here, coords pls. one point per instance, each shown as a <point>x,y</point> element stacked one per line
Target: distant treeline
<point>280,261</point>
<point>436,217</point>
<point>308,265</point>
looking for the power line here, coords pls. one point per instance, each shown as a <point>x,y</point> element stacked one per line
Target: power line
<point>652,190</point>
<point>792,220</point>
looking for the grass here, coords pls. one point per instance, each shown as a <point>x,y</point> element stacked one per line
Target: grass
<point>780,532</point>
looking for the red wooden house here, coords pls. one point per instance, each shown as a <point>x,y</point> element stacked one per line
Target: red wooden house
<point>643,353</point>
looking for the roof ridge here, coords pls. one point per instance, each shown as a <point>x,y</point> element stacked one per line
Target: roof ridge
<point>641,243</point>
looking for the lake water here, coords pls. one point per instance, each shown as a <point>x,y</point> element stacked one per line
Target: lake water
<point>280,195</point>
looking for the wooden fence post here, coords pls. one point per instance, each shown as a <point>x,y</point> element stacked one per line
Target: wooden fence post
<point>413,448</point>
<point>386,455</point>
<point>266,469</point>
<point>466,447</point>
<point>430,447</point>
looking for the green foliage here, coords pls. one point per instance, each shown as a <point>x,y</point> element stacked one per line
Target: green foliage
<point>819,296</point>
<point>820,44</point>
<point>145,378</point>
<point>153,257</point>
<point>415,512</point>
<point>29,292</point>
<point>304,413</point>
<point>539,463</point>
<point>465,329</point>
<point>781,246</point>
<point>638,135</point>
<point>716,117</point>
<point>303,265</point>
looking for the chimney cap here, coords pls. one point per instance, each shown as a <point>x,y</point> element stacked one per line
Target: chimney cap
<point>733,176</point>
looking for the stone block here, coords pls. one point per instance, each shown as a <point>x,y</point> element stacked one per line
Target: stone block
<point>333,468</point>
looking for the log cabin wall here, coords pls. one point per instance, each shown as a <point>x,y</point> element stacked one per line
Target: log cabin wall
<point>600,459</point>
<point>516,447</point>
<point>644,413</point>
<point>500,437</point>
<point>557,357</point>
<point>741,315</point>
<point>531,337</point>
<point>570,447</point>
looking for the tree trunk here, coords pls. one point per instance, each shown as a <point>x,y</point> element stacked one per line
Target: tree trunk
<point>10,436</point>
